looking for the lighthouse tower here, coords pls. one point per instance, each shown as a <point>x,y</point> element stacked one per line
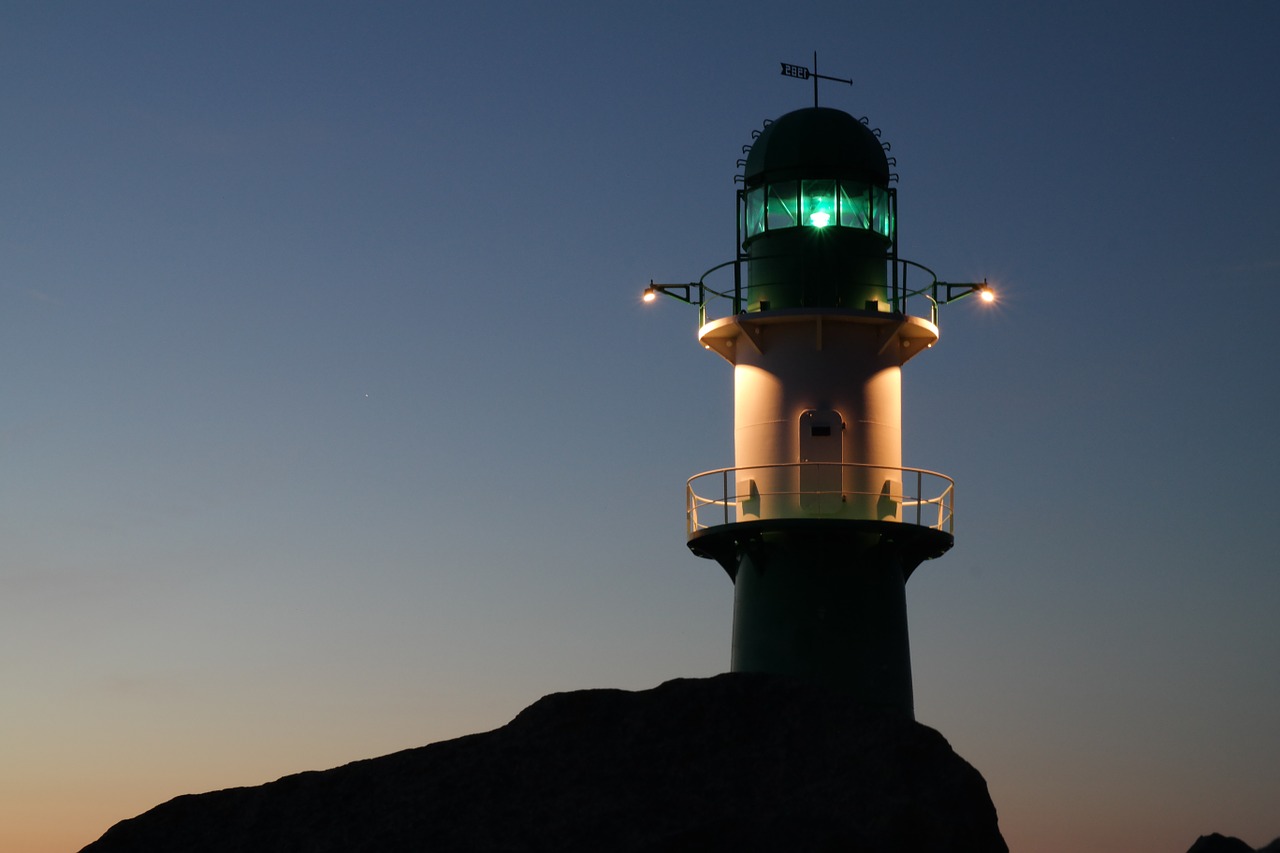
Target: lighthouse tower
<point>818,522</point>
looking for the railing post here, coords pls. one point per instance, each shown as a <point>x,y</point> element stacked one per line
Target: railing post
<point>919,497</point>
<point>737,282</point>
<point>690,512</point>
<point>724,493</point>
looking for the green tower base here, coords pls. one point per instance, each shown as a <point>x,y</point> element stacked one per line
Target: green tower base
<point>824,599</point>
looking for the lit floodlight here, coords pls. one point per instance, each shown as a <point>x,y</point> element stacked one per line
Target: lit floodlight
<point>649,294</point>
<point>986,294</point>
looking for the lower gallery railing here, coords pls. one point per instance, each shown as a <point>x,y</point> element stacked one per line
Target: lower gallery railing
<point>820,490</point>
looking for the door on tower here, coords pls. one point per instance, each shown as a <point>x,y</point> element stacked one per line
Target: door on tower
<point>821,452</point>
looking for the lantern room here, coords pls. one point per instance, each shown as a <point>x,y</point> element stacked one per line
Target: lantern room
<point>817,217</point>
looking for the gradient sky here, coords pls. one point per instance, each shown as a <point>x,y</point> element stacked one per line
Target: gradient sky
<point>333,424</point>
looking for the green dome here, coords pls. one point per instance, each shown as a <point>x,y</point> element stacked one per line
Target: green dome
<point>817,142</point>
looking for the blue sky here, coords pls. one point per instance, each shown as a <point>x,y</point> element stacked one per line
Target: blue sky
<point>333,424</point>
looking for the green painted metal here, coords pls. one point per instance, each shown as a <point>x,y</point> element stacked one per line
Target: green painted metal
<point>818,142</point>
<point>824,599</point>
<point>825,609</point>
<point>817,268</point>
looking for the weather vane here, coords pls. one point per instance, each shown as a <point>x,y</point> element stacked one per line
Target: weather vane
<point>802,73</point>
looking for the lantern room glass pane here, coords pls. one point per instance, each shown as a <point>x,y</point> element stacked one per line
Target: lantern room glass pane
<point>818,203</point>
<point>855,205</point>
<point>755,213</point>
<point>782,204</point>
<point>881,212</point>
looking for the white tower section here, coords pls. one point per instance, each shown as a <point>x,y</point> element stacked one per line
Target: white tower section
<point>818,410</point>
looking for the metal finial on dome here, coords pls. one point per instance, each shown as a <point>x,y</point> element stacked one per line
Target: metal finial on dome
<point>802,73</point>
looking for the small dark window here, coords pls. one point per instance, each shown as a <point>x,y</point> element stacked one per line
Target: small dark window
<point>820,430</point>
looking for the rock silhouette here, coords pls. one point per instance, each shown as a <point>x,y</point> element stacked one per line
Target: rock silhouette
<point>1216,843</point>
<point>735,762</point>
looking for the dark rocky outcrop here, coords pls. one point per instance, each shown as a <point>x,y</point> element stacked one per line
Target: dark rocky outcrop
<point>736,762</point>
<point>1216,843</point>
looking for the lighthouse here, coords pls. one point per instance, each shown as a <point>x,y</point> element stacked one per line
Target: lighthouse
<point>818,522</point>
